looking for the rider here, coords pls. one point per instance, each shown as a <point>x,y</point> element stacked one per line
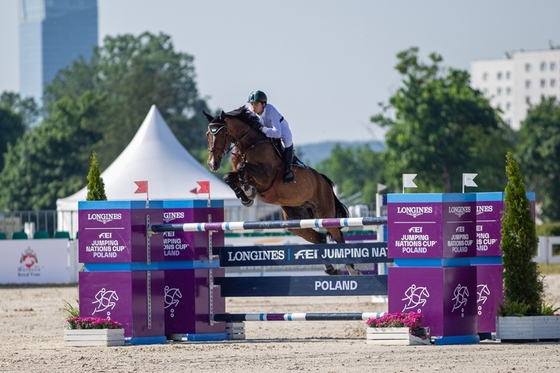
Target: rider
<point>274,126</point>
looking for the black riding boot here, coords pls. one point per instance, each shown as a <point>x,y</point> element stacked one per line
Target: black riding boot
<point>288,158</point>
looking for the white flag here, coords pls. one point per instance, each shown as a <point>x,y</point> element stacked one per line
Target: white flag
<point>407,181</point>
<point>468,180</point>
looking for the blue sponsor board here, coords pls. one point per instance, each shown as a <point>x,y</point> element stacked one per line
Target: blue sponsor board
<point>275,286</point>
<point>297,254</point>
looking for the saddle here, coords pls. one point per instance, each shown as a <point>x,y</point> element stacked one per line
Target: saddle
<point>279,148</point>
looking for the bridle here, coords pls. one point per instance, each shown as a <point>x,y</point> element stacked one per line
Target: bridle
<point>215,128</point>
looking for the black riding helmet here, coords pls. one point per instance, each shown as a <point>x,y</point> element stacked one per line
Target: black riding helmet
<point>257,96</point>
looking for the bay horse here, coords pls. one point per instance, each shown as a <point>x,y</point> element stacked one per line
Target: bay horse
<point>257,168</point>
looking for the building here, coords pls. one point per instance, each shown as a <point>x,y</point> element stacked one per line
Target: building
<point>53,33</point>
<point>520,78</point>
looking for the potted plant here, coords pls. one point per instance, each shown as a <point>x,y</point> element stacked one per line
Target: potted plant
<point>397,328</point>
<point>524,314</point>
<point>91,331</point>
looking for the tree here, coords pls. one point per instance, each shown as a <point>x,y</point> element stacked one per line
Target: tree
<point>96,186</point>
<point>11,128</point>
<point>441,128</point>
<point>539,154</point>
<point>50,161</point>
<point>136,73</point>
<point>354,170</point>
<point>523,284</point>
<point>16,116</point>
<point>27,108</point>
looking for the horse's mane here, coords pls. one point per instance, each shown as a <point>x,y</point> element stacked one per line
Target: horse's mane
<point>246,116</point>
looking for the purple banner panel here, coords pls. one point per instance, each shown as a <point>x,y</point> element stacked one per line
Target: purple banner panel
<point>489,207</point>
<point>431,225</point>
<point>115,232</point>
<point>134,299</point>
<point>459,228</point>
<point>446,297</point>
<point>414,230</point>
<point>489,295</point>
<point>190,245</point>
<point>187,303</point>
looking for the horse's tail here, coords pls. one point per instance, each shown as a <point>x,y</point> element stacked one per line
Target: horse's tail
<point>341,211</point>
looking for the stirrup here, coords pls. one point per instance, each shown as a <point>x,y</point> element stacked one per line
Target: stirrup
<point>288,177</point>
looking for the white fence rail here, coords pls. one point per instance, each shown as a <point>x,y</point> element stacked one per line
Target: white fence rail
<point>549,250</point>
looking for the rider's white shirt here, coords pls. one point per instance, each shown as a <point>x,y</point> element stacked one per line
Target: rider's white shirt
<point>274,126</point>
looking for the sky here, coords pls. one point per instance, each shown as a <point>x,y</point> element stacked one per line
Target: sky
<point>324,64</point>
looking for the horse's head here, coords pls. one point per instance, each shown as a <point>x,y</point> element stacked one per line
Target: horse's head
<point>218,140</point>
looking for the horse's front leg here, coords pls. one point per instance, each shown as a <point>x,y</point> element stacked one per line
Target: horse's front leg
<point>250,191</point>
<point>232,179</point>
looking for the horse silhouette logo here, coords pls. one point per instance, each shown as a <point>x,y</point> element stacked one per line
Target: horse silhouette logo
<point>416,297</point>
<point>460,296</point>
<point>482,292</point>
<point>172,296</point>
<point>105,299</point>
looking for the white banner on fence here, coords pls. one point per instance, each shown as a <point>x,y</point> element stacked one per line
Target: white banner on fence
<point>34,261</point>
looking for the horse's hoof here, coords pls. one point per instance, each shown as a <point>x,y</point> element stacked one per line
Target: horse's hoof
<point>251,193</point>
<point>248,203</point>
<point>352,271</point>
<point>331,271</point>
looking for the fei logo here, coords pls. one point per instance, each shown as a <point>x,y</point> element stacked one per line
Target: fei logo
<point>28,258</point>
<point>306,254</point>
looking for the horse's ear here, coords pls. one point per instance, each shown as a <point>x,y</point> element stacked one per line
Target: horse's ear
<point>208,116</point>
<point>223,116</point>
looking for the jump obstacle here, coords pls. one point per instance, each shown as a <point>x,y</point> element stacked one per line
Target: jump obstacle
<point>432,238</point>
<point>291,285</point>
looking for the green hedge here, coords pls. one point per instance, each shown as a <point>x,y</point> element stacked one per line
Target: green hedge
<point>548,229</point>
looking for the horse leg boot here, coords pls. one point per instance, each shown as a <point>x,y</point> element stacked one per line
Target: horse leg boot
<point>332,271</point>
<point>288,158</point>
<point>250,191</point>
<point>229,179</point>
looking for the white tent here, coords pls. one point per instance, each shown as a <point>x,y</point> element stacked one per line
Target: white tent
<point>155,155</point>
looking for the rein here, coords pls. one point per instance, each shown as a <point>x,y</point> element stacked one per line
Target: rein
<point>215,129</point>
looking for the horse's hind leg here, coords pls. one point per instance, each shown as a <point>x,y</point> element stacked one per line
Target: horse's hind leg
<point>311,235</point>
<point>338,237</point>
<point>232,180</point>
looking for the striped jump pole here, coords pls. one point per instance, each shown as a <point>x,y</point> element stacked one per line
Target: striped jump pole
<point>237,317</point>
<point>272,224</point>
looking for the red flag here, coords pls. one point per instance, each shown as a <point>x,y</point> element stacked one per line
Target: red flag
<point>142,187</point>
<point>204,187</point>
